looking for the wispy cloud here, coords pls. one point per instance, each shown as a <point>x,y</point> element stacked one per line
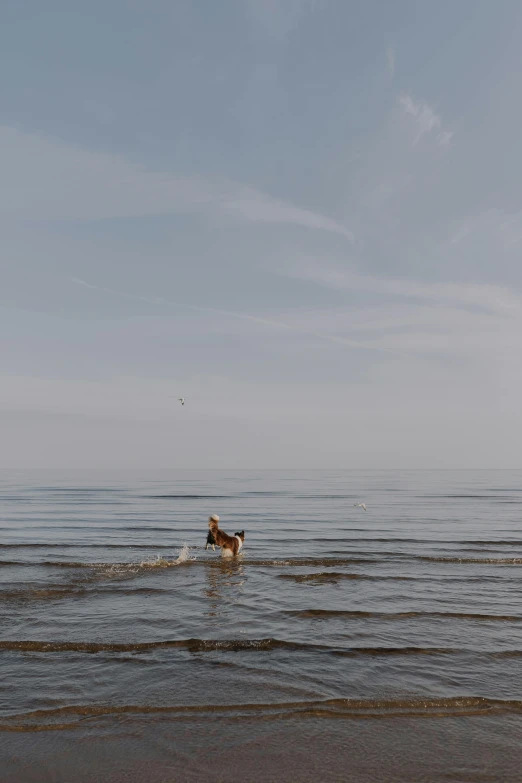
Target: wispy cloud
<point>44,178</point>
<point>416,320</point>
<point>461,234</point>
<point>444,138</point>
<point>257,207</point>
<point>269,322</point>
<point>426,119</point>
<point>489,297</point>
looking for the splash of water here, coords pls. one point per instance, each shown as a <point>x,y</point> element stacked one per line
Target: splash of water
<point>184,555</point>
<point>161,562</point>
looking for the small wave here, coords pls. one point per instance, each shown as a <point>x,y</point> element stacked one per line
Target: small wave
<point>53,593</point>
<point>128,567</point>
<point>104,570</point>
<point>379,540</point>
<point>325,562</point>
<point>69,717</point>
<point>74,545</point>
<point>507,654</point>
<point>395,651</point>
<point>355,614</point>
<point>192,645</point>
<point>190,497</point>
<point>40,593</point>
<point>324,577</point>
<point>491,542</point>
<point>230,645</point>
<point>13,563</point>
<point>471,560</point>
<point>57,564</point>
<point>497,495</point>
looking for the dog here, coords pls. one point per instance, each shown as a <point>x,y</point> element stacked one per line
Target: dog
<point>230,545</point>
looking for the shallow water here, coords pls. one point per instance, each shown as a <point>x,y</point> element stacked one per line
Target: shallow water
<point>340,644</point>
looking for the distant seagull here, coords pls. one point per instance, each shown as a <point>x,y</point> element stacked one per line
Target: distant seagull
<point>182,400</point>
<point>360,505</point>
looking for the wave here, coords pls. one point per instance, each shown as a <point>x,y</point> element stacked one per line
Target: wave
<point>69,717</point>
<point>326,562</point>
<point>50,564</point>
<point>331,577</point>
<point>355,614</point>
<point>378,540</point>
<point>492,542</point>
<point>496,495</point>
<point>378,558</point>
<point>110,570</point>
<point>73,545</point>
<point>253,494</point>
<point>190,497</point>
<point>438,541</point>
<point>471,560</point>
<point>16,563</point>
<point>74,591</point>
<point>74,490</point>
<point>114,567</point>
<point>196,645</point>
<point>192,645</point>
<point>334,576</point>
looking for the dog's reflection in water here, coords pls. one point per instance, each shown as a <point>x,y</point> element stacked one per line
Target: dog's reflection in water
<point>225,578</point>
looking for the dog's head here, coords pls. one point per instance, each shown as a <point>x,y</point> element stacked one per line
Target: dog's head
<point>241,535</point>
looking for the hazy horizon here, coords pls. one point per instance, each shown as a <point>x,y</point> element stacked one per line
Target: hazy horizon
<point>302,216</point>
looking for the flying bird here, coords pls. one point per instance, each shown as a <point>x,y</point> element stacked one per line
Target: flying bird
<point>182,400</point>
<point>360,505</point>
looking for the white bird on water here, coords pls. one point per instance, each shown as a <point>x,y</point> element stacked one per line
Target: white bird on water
<point>360,505</point>
<point>182,400</point>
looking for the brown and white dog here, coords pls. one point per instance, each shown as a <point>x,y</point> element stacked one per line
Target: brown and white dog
<point>230,545</point>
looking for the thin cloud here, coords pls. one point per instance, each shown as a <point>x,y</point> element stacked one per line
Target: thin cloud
<point>256,207</point>
<point>461,234</point>
<point>426,119</point>
<point>274,324</point>
<point>444,138</point>
<point>46,178</point>
<point>495,298</point>
<point>415,319</point>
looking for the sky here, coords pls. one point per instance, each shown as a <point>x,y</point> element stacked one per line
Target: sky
<point>302,216</point>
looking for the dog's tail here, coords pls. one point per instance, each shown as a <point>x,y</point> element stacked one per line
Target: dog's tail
<point>213,522</point>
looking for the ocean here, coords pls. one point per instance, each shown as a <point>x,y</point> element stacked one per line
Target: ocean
<point>340,645</point>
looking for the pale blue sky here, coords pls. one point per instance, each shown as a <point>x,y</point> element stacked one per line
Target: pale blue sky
<point>304,216</point>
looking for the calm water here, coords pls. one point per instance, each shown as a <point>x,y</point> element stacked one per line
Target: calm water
<point>340,645</point>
